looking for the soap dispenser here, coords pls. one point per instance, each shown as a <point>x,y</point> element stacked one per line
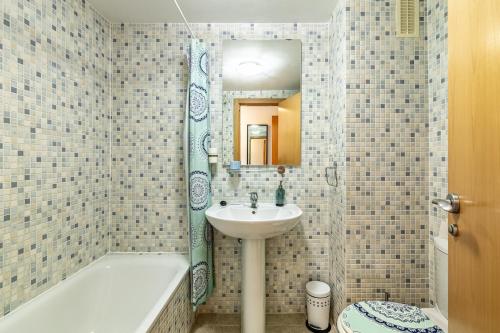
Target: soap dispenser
<point>280,191</point>
<point>280,195</point>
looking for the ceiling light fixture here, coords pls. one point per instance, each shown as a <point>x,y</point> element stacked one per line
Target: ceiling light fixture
<point>249,68</point>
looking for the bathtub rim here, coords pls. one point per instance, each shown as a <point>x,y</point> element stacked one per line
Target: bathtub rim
<point>151,317</point>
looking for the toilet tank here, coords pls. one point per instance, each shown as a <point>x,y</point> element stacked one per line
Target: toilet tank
<point>441,274</point>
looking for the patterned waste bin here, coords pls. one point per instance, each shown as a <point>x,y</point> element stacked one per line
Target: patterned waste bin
<point>318,306</point>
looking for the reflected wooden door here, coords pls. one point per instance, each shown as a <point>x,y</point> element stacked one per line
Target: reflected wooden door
<point>275,140</point>
<point>289,130</point>
<point>474,165</point>
<point>257,151</point>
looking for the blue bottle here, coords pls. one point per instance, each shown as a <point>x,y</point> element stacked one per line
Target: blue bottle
<point>280,195</point>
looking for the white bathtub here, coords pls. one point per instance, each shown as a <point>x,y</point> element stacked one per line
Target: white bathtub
<point>117,293</point>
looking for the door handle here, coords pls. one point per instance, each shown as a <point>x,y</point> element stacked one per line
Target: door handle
<point>451,204</point>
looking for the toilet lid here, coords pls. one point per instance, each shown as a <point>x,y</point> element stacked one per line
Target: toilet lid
<point>386,317</point>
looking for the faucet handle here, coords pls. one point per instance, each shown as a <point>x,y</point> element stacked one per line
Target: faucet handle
<point>254,196</point>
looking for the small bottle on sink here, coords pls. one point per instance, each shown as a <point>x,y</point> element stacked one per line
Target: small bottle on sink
<point>280,191</point>
<point>280,195</point>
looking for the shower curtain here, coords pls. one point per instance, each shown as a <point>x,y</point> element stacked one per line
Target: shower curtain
<point>197,140</point>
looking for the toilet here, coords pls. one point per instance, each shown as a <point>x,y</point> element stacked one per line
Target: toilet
<point>390,317</point>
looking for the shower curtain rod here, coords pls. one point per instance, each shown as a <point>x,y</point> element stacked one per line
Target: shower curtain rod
<point>184,18</point>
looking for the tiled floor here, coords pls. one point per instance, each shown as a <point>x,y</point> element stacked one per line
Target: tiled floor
<point>230,323</point>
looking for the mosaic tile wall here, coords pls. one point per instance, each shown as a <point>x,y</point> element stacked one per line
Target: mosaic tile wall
<point>386,157</point>
<point>228,109</point>
<point>338,76</point>
<point>177,316</point>
<point>54,143</point>
<point>437,52</point>
<point>148,104</point>
<point>148,193</point>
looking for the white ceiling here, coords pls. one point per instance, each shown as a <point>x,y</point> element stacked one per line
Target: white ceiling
<point>279,64</point>
<point>216,11</point>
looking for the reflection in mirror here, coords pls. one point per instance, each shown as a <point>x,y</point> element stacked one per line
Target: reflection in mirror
<point>262,101</point>
<point>257,147</point>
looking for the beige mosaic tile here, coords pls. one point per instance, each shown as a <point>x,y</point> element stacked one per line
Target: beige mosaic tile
<point>382,202</point>
<point>177,316</point>
<point>437,54</point>
<point>54,144</point>
<point>337,210</point>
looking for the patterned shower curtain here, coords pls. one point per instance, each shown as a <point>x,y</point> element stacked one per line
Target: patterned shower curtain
<point>197,140</point>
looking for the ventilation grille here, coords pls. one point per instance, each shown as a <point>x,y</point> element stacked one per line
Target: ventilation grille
<point>407,18</point>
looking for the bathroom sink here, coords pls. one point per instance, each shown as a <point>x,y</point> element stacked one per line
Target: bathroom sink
<point>265,221</point>
<point>253,226</point>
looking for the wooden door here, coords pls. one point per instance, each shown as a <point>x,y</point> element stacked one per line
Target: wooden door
<point>474,165</point>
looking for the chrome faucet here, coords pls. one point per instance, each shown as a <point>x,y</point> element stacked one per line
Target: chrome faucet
<point>253,199</point>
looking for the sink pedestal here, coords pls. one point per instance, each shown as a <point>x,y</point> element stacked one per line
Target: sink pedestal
<point>253,298</point>
<point>253,226</point>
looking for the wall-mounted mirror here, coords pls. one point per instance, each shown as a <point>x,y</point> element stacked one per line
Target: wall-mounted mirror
<point>262,101</point>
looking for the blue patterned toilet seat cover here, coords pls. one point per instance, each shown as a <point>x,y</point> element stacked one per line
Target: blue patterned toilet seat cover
<point>386,317</point>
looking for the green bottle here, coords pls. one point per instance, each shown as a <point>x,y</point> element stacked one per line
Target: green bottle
<point>280,195</point>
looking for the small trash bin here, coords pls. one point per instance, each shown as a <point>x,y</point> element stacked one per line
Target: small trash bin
<point>318,306</point>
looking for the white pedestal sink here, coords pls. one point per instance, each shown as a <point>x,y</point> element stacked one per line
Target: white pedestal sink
<point>253,226</point>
